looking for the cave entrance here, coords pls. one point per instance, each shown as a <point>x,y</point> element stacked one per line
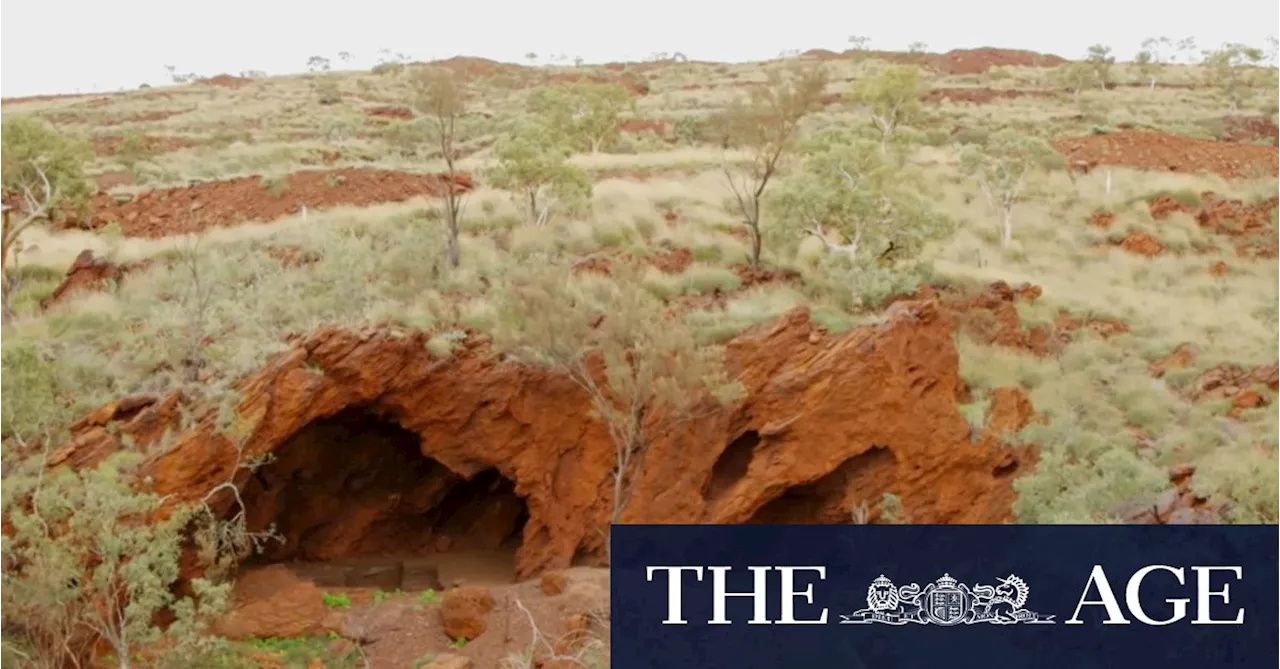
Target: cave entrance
<point>830,499</point>
<point>358,505</point>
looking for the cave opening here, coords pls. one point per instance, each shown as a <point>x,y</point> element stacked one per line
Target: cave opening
<point>830,499</point>
<point>355,503</point>
<point>731,466</point>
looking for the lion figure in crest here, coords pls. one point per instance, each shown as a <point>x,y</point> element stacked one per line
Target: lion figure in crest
<point>882,595</point>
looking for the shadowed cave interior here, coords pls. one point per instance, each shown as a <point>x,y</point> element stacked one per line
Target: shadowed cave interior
<point>358,505</point>
<point>830,499</point>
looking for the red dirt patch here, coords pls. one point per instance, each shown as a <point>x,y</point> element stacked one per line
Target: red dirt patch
<point>1143,244</point>
<point>89,273</point>
<point>755,277</point>
<point>1161,206</point>
<point>471,67</point>
<point>1151,150</point>
<point>193,208</point>
<point>479,68</point>
<point>1242,386</point>
<point>293,256</point>
<point>389,112</point>
<point>956,61</point>
<point>1101,219</point>
<point>111,180</point>
<point>71,117</point>
<point>978,61</point>
<point>1219,269</point>
<point>398,630</point>
<point>1248,224</point>
<point>1176,505</point>
<point>981,95</point>
<point>226,81</point>
<point>147,117</point>
<point>822,54</point>
<point>1179,358</point>
<point>1250,128</point>
<point>273,602</point>
<point>637,86</point>
<point>641,125</point>
<point>673,261</point>
<point>105,145</point>
<point>991,317</point>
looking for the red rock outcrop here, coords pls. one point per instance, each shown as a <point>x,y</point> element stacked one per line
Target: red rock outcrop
<point>379,447</point>
<point>1176,505</point>
<point>190,209</point>
<point>990,316</point>
<point>88,273</point>
<point>1155,151</point>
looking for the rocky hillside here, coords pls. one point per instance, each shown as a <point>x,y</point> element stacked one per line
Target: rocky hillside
<point>248,334</point>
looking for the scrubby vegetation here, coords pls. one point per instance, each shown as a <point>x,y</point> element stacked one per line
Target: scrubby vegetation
<point>620,240</point>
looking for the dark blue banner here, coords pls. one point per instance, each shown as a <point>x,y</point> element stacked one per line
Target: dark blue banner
<point>944,596</point>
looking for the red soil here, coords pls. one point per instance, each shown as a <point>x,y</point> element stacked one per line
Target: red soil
<point>105,145</point>
<point>1250,128</point>
<point>1151,150</point>
<point>1101,219</point>
<point>90,273</point>
<point>673,261</point>
<point>193,208</point>
<point>957,61</point>
<point>977,61</point>
<point>227,81</point>
<point>1246,388</point>
<point>475,68</point>
<point>111,180</point>
<point>1142,244</point>
<point>478,418</point>
<point>639,125</point>
<point>1248,224</point>
<point>389,112</point>
<point>69,117</point>
<point>990,316</point>
<point>480,68</point>
<point>637,86</point>
<point>981,95</point>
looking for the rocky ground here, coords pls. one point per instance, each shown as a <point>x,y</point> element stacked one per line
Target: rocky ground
<point>440,506</point>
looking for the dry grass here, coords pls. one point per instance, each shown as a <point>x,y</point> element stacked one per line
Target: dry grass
<point>377,265</point>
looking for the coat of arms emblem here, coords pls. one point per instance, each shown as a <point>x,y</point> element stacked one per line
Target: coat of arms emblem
<point>946,602</point>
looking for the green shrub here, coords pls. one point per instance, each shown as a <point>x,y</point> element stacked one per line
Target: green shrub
<point>86,561</point>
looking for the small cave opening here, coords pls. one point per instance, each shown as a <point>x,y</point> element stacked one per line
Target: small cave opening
<point>830,499</point>
<point>1001,471</point>
<point>731,466</point>
<point>355,503</point>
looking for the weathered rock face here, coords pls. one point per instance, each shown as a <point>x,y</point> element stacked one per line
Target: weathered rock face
<point>378,447</point>
<point>88,273</point>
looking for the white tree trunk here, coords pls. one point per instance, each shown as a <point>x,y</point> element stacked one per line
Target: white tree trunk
<point>1006,225</point>
<point>1108,182</point>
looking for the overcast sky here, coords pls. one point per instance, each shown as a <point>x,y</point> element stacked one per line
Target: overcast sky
<point>64,46</point>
